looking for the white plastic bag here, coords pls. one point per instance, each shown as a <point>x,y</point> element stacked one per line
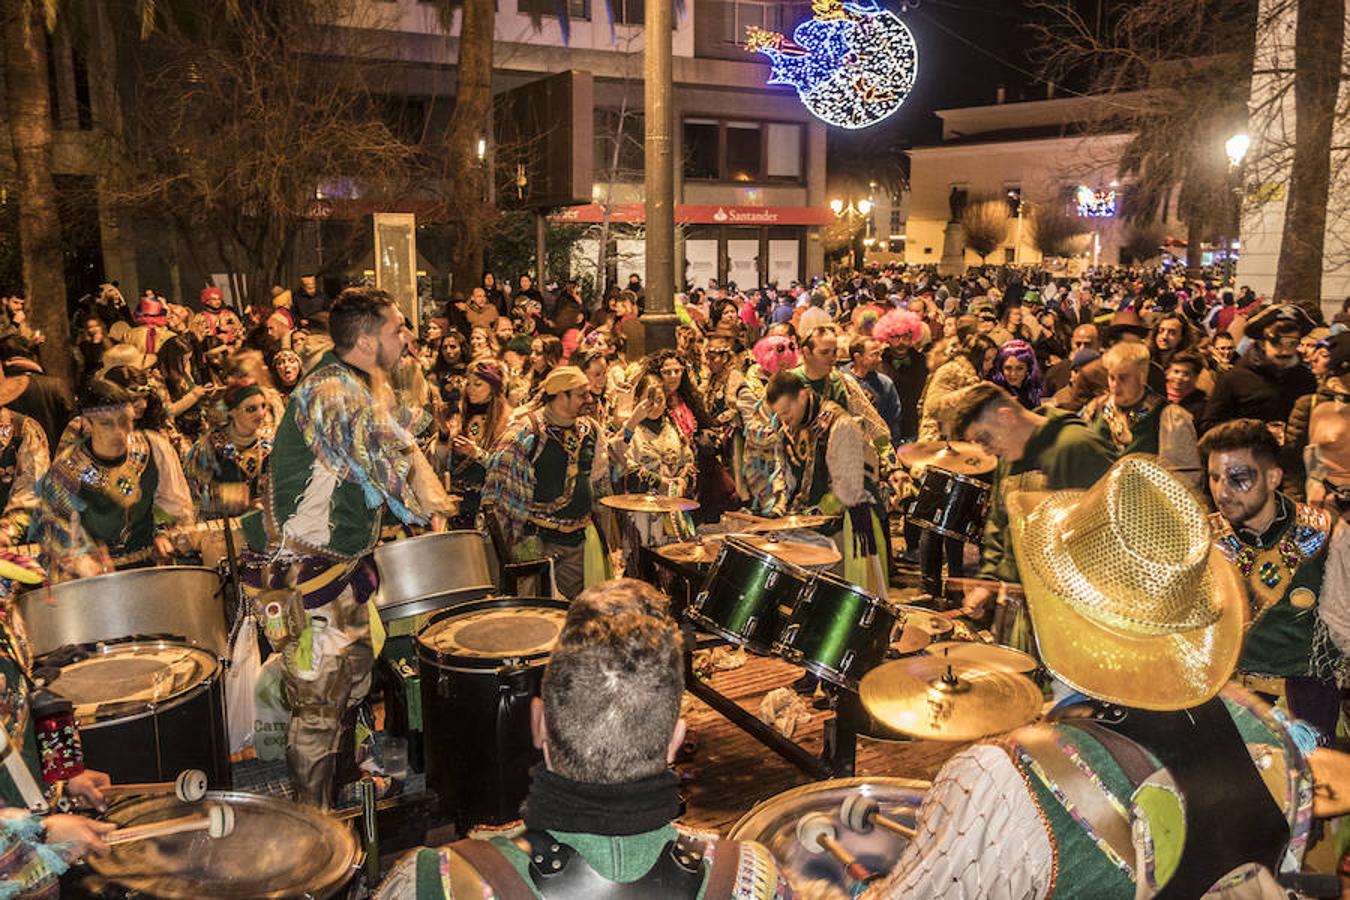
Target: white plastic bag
<point>241,681</point>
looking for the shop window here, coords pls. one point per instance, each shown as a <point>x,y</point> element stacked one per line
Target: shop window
<point>784,150</point>
<point>745,148</point>
<point>701,148</point>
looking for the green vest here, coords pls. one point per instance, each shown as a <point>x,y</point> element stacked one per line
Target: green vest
<point>106,517</point>
<point>550,471</point>
<point>1135,430</point>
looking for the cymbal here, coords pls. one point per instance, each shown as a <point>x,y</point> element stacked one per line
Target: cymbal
<point>921,626</point>
<point>799,553</point>
<point>948,700</point>
<point>648,503</point>
<point>958,457</point>
<point>786,523</point>
<point>692,552</point>
<point>976,653</point>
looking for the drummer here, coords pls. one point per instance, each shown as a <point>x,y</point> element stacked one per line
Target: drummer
<point>1052,452</point>
<point>656,458</point>
<point>599,818</point>
<point>343,453</point>
<point>544,475</point>
<point>1169,779</point>
<point>225,465</point>
<point>34,852</point>
<point>112,494</point>
<point>832,469</point>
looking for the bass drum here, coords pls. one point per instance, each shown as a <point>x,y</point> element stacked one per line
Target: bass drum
<point>147,710</point>
<point>480,665</point>
<point>277,849</point>
<point>181,601</point>
<point>773,823</point>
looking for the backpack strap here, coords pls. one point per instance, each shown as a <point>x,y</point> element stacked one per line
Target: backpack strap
<point>726,864</point>
<point>491,868</point>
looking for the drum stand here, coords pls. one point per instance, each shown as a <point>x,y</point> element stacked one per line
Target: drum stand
<point>839,757</point>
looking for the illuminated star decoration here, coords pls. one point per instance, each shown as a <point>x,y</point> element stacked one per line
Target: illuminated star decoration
<point>852,63</point>
<point>1095,204</point>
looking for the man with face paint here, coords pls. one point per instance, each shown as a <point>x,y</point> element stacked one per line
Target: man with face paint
<point>112,494</point>
<point>1280,549</point>
<point>344,452</point>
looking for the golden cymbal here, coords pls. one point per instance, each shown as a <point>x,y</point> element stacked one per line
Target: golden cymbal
<point>921,626</point>
<point>947,700</point>
<point>799,553</point>
<point>958,457</point>
<point>692,552</point>
<point>786,523</point>
<point>648,503</point>
<point>976,653</point>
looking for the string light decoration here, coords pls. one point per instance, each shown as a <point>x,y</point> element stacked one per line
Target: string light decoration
<point>852,63</point>
<point>1095,204</point>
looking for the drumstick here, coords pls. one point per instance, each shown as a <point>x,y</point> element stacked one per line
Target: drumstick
<point>217,823</point>
<point>860,814</point>
<point>189,787</point>
<point>1009,586</point>
<point>817,834</point>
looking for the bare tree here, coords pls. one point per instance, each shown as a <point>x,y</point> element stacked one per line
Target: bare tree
<point>247,122</point>
<point>986,221</point>
<point>1056,233</point>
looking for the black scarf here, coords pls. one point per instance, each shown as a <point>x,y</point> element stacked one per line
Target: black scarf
<point>556,803</point>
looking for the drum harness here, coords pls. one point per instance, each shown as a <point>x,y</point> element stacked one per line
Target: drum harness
<point>558,872</point>
<point>1231,818</point>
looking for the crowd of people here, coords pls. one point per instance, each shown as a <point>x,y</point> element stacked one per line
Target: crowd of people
<point>515,408</point>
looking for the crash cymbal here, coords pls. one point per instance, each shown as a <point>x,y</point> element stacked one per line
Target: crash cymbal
<point>692,552</point>
<point>921,626</point>
<point>991,656</point>
<point>799,553</point>
<point>948,700</point>
<point>786,523</point>
<point>649,503</point>
<point>958,457</point>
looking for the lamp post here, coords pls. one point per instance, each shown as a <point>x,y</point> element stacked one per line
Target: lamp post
<point>1235,148</point>
<point>659,175</point>
<point>848,210</point>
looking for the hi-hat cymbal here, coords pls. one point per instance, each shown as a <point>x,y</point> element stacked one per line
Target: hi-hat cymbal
<point>786,523</point>
<point>947,700</point>
<point>799,553</point>
<point>921,626</point>
<point>692,552</point>
<point>975,653</point>
<point>648,503</point>
<point>958,457</point>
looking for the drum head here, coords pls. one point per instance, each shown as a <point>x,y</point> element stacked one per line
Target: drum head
<point>505,629</point>
<point>277,849</point>
<point>773,823</point>
<point>125,679</point>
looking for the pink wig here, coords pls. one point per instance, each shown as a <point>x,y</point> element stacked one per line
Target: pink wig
<point>775,353</point>
<point>898,322</point>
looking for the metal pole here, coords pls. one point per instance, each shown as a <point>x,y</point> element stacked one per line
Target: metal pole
<point>659,318</point>
<point>540,247</point>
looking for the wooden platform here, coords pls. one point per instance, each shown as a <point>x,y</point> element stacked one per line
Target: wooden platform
<point>731,771</point>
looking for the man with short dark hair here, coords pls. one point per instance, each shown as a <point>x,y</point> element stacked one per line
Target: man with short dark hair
<point>1279,547</point>
<point>865,364</point>
<point>599,819</point>
<point>818,371</point>
<point>1084,337</point>
<point>1268,380</point>
<point>1183,375</point>
<point>543,476</point>
<point>1036,453</point>
<point>344,452</point>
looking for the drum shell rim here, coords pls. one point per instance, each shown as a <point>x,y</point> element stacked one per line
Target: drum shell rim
<point>764,556</point>
<point>334,876</point>
<point>415,605</point>
<point>483,664</point>
<point>152,709</point>
<point>815,787</point>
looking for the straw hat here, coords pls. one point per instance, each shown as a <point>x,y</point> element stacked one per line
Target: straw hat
<point>125,355</point>
<point>1131,601</point>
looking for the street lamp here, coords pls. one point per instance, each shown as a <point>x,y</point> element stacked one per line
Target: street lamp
<point>864,207</point>
<point>1236,147</point>
<point>837,206</point>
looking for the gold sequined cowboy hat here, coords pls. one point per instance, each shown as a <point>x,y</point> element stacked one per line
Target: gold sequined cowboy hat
<point>1130,600</point>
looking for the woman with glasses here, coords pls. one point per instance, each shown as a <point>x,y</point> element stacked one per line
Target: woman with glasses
<point>224,465</point>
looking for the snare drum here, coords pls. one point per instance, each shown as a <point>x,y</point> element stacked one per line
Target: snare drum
<point>277,849</point>
<point>773,823</point>
<point>837,630</point>
<point>480,665</point>
<point>951,505</point>
<point>747,595</point>
<point>147,709</point>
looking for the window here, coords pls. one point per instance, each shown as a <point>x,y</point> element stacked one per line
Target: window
<point>701,151</point>
<point>897,224</point>
<point>771,16</point>
<point>784,151</point>
<point>744,151</point>
<point>626,12</point>
<point>631,150</point>
<point>576,9</point>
